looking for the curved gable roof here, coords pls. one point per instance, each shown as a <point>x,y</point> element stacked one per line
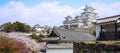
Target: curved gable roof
<point>71,35</point>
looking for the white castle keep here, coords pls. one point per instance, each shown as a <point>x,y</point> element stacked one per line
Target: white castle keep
<point>86,19</point>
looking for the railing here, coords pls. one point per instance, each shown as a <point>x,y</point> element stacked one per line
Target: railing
<point>109,36</point>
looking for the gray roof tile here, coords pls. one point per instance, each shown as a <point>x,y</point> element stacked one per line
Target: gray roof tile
<point>71,35</point>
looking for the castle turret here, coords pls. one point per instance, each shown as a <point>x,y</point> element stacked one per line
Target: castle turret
<point>67,22</point>
<point>89,16</point>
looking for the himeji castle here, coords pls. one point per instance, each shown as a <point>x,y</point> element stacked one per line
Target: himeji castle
<point>86,19</point>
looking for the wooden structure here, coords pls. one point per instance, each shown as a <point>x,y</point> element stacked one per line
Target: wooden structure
<point>108,28</point>
<point>97,47</point>
<point>108,37</point>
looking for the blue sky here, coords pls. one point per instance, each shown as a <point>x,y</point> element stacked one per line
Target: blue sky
<point>73,3</point>
<point>52,12</point>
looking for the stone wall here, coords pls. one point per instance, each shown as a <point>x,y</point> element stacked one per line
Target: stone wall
<point>98,47</point>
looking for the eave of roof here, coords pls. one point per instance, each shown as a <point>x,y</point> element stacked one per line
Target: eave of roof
<point>60,46</point>
<point>107,20</point>
<point>50,38</point>
<point>109,17</point>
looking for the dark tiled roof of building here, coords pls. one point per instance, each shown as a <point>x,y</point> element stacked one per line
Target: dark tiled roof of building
<point>71,35</point>
<point>108,19</point>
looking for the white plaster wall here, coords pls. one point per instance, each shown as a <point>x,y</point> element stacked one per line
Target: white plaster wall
<point>59,50</point>
<point>97,30</point>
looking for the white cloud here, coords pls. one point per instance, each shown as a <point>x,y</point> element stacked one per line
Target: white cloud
<point>105,10</point>
<point>49,13</point>
<point>45,13</point>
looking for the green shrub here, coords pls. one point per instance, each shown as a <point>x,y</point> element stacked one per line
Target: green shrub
<point>94,33</point>
<point>36,37</point>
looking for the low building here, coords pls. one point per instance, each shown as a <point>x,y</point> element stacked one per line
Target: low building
<point>107,35</point>
<point>108,28</point>
<point>61,40</point>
